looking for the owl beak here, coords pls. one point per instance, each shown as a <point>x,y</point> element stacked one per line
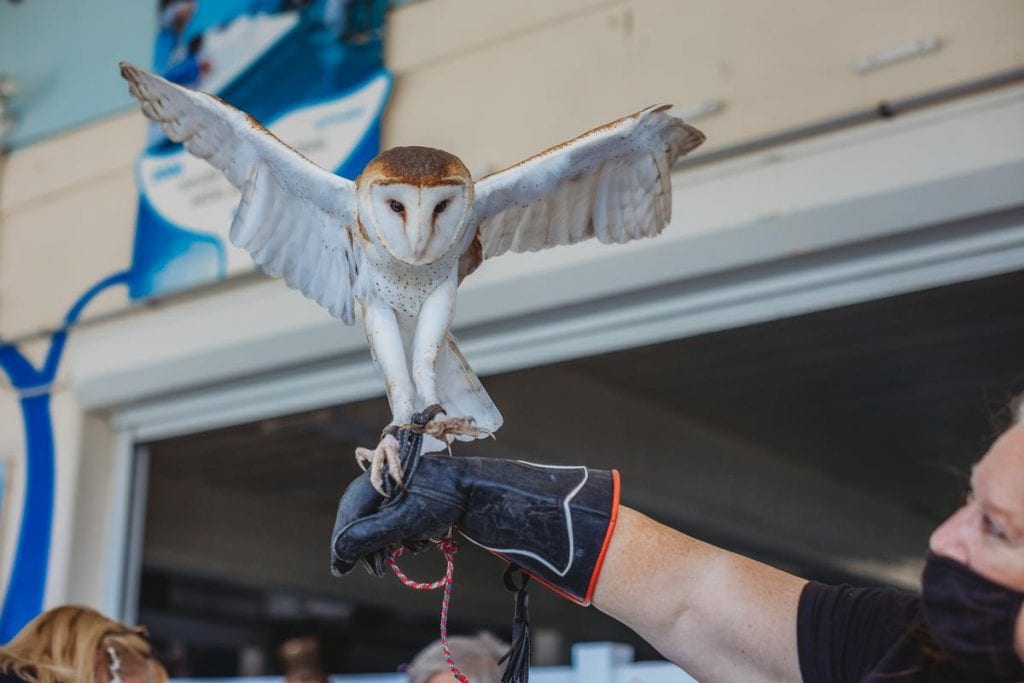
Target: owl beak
<point>420,238</point>
<point>419,243</point>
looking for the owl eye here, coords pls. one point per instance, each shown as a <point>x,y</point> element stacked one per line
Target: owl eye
<point>441,206</point>
<point>397,206</point>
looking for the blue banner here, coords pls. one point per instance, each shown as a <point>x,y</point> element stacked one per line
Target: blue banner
<point>310,70</point>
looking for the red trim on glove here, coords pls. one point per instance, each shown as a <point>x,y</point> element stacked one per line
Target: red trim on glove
<point>585,600</point>
<point>607,539</point>
<point>613,519</point>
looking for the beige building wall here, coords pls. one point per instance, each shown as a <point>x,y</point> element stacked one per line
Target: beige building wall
<point>493,82</point>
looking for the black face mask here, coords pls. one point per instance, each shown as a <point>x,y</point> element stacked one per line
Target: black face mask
<point>972,618</point>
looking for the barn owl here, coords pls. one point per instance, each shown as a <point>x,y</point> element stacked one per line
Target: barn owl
<point>396,243</point>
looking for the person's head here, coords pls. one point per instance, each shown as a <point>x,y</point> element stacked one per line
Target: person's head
<point>987,532</point>
<point>985,536</point>
<point>300,659</point>
<point>476,656</point>
<point>79,644</point>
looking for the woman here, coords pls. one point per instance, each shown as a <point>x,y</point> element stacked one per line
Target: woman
<point>718,615</point>
<point>77,644</point>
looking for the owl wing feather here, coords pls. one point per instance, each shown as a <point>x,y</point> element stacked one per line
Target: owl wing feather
<point>611,183</point>
<point>295,218</point>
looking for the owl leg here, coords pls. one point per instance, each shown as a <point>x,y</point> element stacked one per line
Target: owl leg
<point>432,325</point>
<point>385,338</point>
<point>384,335</point>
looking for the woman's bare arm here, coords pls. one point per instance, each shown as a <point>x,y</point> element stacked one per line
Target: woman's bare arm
<point>718,615</point>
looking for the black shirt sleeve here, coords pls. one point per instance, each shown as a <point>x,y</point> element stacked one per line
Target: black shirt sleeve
<point>844,632</point>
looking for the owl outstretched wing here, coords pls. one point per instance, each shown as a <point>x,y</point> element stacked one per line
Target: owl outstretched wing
<point>295,218</point>
<point>611,183</point>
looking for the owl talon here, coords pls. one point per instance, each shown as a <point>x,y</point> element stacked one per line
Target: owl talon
<point>442,427</point>
<point>387,456</point>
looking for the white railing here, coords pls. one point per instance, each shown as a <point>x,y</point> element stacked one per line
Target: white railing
<point>591,663</point>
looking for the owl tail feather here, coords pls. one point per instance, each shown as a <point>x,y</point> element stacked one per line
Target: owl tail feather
<point>461,393</point>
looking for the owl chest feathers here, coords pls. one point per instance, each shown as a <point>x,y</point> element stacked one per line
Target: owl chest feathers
<point>403,286</point>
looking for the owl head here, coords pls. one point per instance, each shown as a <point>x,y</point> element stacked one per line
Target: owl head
<point>416,201</point>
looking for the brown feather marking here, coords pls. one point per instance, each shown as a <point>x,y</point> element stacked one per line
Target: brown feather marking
<point>420,166</point>
<point>472,258</point>
<point>260,128</point>
<point>599,129</point>
<point>361,229</point>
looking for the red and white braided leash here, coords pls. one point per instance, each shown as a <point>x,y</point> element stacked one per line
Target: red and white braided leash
<point>449,548</point>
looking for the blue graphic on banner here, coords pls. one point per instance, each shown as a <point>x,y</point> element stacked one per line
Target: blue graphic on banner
<point>27,583</point>
<point>167,258</point>
<point>311,71</point>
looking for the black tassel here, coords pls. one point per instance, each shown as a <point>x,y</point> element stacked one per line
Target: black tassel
<point>517,668</point>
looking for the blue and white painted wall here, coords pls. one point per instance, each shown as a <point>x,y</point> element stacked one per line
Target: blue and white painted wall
<point>248,53</point>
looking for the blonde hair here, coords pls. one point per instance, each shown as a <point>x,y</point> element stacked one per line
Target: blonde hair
<point>476,656</point>
<point>61,646</point>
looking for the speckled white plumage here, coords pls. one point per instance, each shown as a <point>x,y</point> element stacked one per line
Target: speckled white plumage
<point>347,245</point>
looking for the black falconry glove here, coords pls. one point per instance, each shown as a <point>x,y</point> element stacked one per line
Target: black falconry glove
<point>553,522</point>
